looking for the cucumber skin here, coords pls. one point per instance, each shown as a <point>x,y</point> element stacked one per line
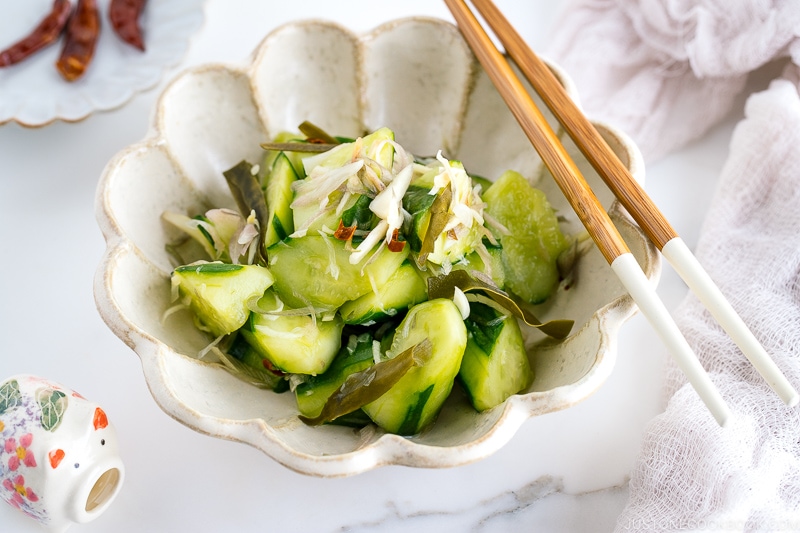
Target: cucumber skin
<point>312,394</point>
<point>209,268</point>
<point>495,364</point>
<point>414,402</point>
<point>247,355</point>
<point>417,201</point>
<point>296,158</point>
<point>279,196</point>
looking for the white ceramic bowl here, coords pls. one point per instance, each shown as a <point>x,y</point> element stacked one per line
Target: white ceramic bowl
<point>416,76</point>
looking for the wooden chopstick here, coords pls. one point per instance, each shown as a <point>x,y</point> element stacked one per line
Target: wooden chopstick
<point>633,197</point>
<point>586,206</point>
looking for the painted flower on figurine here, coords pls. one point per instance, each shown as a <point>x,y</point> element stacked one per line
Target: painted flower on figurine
<point>21,453</point>
<point>19,492</point>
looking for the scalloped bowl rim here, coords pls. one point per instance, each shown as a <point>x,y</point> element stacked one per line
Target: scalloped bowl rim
<point>388,449</point>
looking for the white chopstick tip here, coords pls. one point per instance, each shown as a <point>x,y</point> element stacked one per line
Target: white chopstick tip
<point>689,268</point>
<point>723,417</point>
<point>644,294</point>
<point>792,400</point>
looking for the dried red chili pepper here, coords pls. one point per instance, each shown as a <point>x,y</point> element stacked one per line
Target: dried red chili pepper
<point>395,244</point>
<point>82,33</point>
<point>124,16</point>
<point>344,233</point>
<point>43,35</point>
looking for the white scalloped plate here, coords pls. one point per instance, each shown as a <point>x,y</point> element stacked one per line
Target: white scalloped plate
<point>34,94</point>
<point>415,76</point>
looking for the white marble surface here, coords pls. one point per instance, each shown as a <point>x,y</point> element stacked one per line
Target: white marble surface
<point>566,471</point>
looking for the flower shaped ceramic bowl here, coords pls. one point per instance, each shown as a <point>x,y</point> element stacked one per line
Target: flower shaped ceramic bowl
<point>416,76</point>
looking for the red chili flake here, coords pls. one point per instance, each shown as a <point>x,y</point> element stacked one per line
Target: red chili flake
<point>124,16</point>
<point>395,244</point>
<point>46,33</point>
<point>83,30</point>
<point>344,233</point>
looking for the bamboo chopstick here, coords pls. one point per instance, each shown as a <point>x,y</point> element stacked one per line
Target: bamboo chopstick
<point>586,206</point>
<point>634,198</point>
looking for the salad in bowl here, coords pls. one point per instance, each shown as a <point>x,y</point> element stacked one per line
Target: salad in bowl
<point>346,253</point>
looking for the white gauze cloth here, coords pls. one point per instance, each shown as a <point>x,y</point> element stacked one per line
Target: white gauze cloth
<point>691,473</point>
<point>666,71</point>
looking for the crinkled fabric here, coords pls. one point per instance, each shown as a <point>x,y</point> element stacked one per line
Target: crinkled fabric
<point>691,473</point>
<point>665,72</point>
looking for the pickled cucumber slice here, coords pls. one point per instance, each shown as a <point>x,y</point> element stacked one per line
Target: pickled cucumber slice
<point>534,242</point>
<point>218,293</point>
<point>378,155</point>
<point>296,158</point>
<point>374,146</point>
<point>246,363</point>
<point>493,267</point>
<point>417,202</point>
<point>312,394</point>
<point>296,344</point>
<point>316,271</point>
<point>404,289</point>
<point>495,364</point>
<point>414,402</point>
<point>280,222</point>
